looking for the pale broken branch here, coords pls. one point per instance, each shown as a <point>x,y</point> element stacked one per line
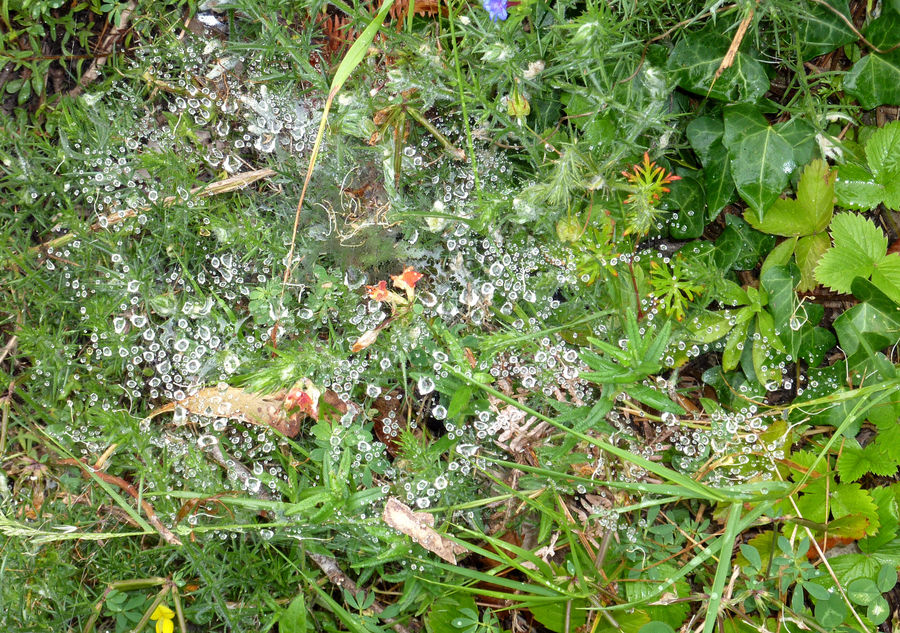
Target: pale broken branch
<point>232,183</point>
<point>111,38</point>
<point>728,60</point>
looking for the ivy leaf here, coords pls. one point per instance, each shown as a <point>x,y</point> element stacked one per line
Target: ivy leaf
<point>875,79</point>
<point>802,137</point>
<point>696,58</point>
<point>858,246</point>
<point>779,283</point>
<point>867,327</point>
<point>705,135</point>
<point>702,133</point>
<point>761,159</point>
<point>821,31</point>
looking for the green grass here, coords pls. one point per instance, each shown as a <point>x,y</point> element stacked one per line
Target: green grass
<point>605,394</point>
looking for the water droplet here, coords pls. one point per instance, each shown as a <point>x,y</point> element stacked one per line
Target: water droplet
<point>425,385</point>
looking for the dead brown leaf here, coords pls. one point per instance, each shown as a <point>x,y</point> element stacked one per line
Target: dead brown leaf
<point>247,406</point>
<point>420,527</point>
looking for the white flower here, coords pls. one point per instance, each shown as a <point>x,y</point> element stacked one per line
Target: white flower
<point>534,69</point>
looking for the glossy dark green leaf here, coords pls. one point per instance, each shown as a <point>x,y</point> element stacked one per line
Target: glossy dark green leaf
<point>717,180</point>
<point>875,79</point>
<point>821,31</point>
<point>815,344</point>
<point>867,327</point>
<point>802,137</point>
<point>754,245</point>
<point>687,197</point>
<point>761,159</point>
<point>702,133</point>
<point>696,58</point>
<point>779,282</point>
<point>739,121</point>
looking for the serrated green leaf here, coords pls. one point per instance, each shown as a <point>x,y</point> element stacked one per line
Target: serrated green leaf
<point>883,152</point>
<point>849,499</point>
<point>852,463</point>
<point>809,213</point>
<point>887,516</point>
<point>821,31</point>
<point>856,188</point>
<point>858,246</point>
<point>648,583</point>
<point>886,276</point>
<point>808,253</point>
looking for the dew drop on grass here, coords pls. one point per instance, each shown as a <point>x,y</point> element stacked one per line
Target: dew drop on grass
<point>425,385</point>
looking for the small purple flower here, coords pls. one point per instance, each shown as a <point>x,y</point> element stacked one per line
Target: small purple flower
<point>496,9</point>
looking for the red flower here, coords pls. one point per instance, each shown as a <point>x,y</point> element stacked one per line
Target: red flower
<point>379,292</point>
<point>407,280</point>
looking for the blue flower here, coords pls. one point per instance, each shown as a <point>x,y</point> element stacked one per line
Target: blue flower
<point>496,9</point>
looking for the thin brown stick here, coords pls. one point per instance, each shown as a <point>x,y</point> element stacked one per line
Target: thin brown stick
<point>736,41</point>
<point>10,346</point>
<point>856,31</point>
<point>152,519</point>
<point>340,579</point>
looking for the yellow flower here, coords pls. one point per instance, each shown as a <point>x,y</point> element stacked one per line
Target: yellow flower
<point>163,616</point>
